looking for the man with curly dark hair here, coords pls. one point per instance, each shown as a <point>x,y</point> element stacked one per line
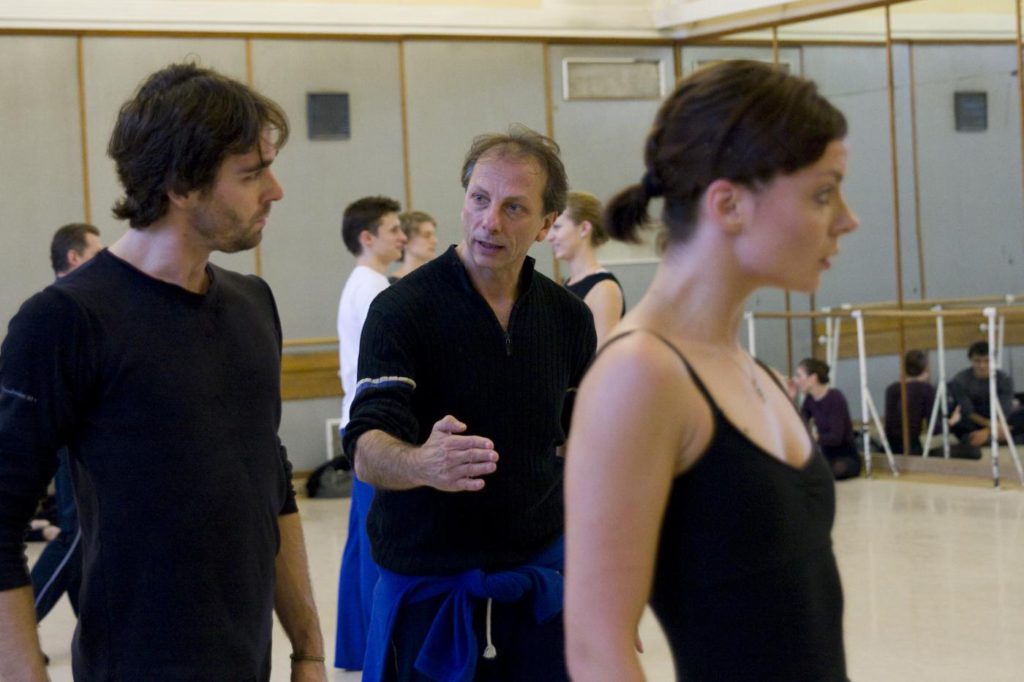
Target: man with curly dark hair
<point>160,374</point>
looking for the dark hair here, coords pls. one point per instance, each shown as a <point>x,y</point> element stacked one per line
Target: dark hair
<point>817,368</point>
<point>364,214</point>
<point>70,237</point>
<point>176,131</point>
<point>518,142</point>
<point>584,206</point>
<point>741,120</point>
<point>915,362</point>
<point>977,349</point>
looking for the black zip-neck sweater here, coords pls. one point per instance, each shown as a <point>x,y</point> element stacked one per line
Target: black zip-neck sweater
<point>432,346</point>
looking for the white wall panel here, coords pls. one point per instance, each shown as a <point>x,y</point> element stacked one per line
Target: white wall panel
<point>303,256</point>
<point>972,215</point>
<point>603,140</point>
<point>41,164</point>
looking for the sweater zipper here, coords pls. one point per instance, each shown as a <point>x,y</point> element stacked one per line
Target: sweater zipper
<point>508,330</point>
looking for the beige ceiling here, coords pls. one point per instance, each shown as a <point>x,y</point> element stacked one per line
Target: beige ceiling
<point>920,19</point>
<point>981,19</point>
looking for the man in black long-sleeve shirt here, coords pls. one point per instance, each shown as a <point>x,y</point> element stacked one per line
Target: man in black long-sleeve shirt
<point>466,371</point>
<point>160,373</point>
<point>969,389</point>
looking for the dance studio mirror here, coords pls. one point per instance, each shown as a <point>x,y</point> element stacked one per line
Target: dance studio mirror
<point>945,143</point>
<point>932,97</point>
<point>846,56</point>
<point>960,152</point>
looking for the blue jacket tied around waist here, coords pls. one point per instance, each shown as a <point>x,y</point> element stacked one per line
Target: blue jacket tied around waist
<point>450,650</point>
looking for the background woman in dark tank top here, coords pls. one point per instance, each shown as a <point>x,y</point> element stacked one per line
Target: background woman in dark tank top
<point>691,481</point>
<point>574,238</point>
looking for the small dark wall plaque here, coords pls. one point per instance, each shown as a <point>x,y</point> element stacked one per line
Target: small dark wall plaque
<point>971,111</point>
<point>327,115</point>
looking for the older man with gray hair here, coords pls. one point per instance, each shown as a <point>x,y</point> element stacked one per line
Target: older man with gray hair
<point>466,371</point>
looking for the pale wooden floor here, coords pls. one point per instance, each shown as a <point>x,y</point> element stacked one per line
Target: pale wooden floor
<point>933,575</point>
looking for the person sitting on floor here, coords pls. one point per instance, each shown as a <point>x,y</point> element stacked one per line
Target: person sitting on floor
<point>826,408</point>
<point>920,403</point>
<point>969,388</point>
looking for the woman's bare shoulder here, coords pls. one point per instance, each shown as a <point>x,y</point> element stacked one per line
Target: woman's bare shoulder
<point>640,383</point>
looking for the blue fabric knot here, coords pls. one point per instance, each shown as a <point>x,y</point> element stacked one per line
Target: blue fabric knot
<point>450,649</point>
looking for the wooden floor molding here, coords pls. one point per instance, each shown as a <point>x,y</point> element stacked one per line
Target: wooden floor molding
<point>975,473</point>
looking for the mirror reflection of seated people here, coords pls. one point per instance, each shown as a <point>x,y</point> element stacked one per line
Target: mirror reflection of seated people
<point>920,403</point>
<point>826,409</point>
<point>969,389</point>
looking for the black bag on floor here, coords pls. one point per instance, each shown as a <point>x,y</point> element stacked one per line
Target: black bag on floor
<point>332,479</point>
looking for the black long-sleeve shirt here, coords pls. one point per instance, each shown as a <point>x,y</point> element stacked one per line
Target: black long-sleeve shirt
<point>831,418</point>
<point>432,346</point>
<point>920,400</point>
<point>169,404</point>
<point>971,394</point>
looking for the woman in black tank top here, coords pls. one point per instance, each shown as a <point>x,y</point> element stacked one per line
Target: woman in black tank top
<point>574,238</point>
<point>691,481</point>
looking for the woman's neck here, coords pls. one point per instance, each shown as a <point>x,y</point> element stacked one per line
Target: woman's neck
<point>818,391</point>
<point>583,264</point>
<point>695,296</point>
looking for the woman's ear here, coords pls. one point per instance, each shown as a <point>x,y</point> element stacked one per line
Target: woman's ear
<point>586,228</point>
<point>723,205</point>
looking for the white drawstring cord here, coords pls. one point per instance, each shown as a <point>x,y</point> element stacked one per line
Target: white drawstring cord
<point>489,651</point>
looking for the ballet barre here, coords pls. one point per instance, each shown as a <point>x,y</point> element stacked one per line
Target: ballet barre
<point>994,318</point>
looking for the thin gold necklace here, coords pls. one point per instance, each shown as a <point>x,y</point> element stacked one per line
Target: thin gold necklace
<point>751,374</point>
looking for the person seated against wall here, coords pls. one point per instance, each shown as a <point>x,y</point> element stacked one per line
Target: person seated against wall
<point>826,409</point>
<point>421,242</point>
<point>920,403</point>
<point>574,238</point>
<point>969,389</point>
